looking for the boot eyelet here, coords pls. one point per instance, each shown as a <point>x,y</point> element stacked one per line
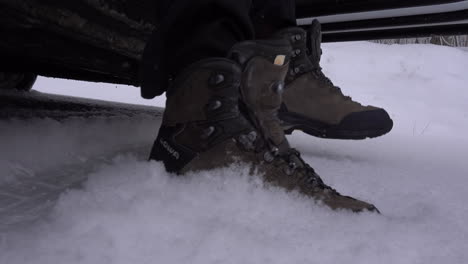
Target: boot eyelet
<point>297,52</point>
<point>289,171</point>
<point>214,105</point>
<point>278,87</point>
<point>268,157</point>
<point>252,136</point>
<point>216,79</point>
<point>207,132</point>
<point>312,181</point>
<point>275,151</point>
<point>292,165</point>
<point>246,142</point>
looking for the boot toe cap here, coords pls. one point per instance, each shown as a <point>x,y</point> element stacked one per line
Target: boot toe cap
<point>373,123</point>
<point>339,202</point>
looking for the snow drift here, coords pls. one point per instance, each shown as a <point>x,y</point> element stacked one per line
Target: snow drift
<point>132,211</point>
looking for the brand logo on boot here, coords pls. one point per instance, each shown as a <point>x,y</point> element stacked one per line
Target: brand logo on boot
<point>169,149</point>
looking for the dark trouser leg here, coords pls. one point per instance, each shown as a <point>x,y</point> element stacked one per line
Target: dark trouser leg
<point>193,30</point>
<point>269,16</point>
<point>209,28</point>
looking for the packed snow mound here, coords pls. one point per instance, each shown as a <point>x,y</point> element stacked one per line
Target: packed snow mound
<point>30,146</point>
<point>132,211</point>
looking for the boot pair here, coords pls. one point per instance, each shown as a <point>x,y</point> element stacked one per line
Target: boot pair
<point>221,111</point>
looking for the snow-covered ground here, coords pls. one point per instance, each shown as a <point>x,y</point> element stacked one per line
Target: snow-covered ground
<point>132,211</point>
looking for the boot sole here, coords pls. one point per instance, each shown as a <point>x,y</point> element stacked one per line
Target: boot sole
<point>322,130</point>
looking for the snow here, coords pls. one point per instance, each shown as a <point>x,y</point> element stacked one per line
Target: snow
<point>33,146</point>
<point>132,211</point>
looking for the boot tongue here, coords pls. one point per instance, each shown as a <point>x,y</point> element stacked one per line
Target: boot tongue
<point>265,65</point>
<point>314,40</point>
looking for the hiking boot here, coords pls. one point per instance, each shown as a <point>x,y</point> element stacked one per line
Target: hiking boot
<point>224,111</point>
<point>313,104</point>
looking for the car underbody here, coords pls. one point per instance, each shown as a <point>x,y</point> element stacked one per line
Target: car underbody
<point>103,40</point>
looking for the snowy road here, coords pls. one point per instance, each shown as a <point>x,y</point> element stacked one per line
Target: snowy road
<point>131,211</point>
<point>49,146</point>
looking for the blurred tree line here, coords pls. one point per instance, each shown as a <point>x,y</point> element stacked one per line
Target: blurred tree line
<point>453,41</point>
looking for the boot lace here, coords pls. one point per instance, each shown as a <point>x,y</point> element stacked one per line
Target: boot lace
<point>303,68</point>
<point>290,160</point>
<point>303,171</point>
<point>333,88</point>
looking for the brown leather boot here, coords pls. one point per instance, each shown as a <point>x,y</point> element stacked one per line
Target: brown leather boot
<point>314,105</point>
<point>224,111</point>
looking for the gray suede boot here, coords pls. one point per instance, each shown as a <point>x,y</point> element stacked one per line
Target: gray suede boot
<point>224,111</point>
<point>317,107</point>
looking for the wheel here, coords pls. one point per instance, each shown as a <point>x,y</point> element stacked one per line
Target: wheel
<point>17,81</point>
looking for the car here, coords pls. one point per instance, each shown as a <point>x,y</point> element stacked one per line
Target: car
<point>104,40</point>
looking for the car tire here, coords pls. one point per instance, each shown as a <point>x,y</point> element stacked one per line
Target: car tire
<point>17,81</point>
